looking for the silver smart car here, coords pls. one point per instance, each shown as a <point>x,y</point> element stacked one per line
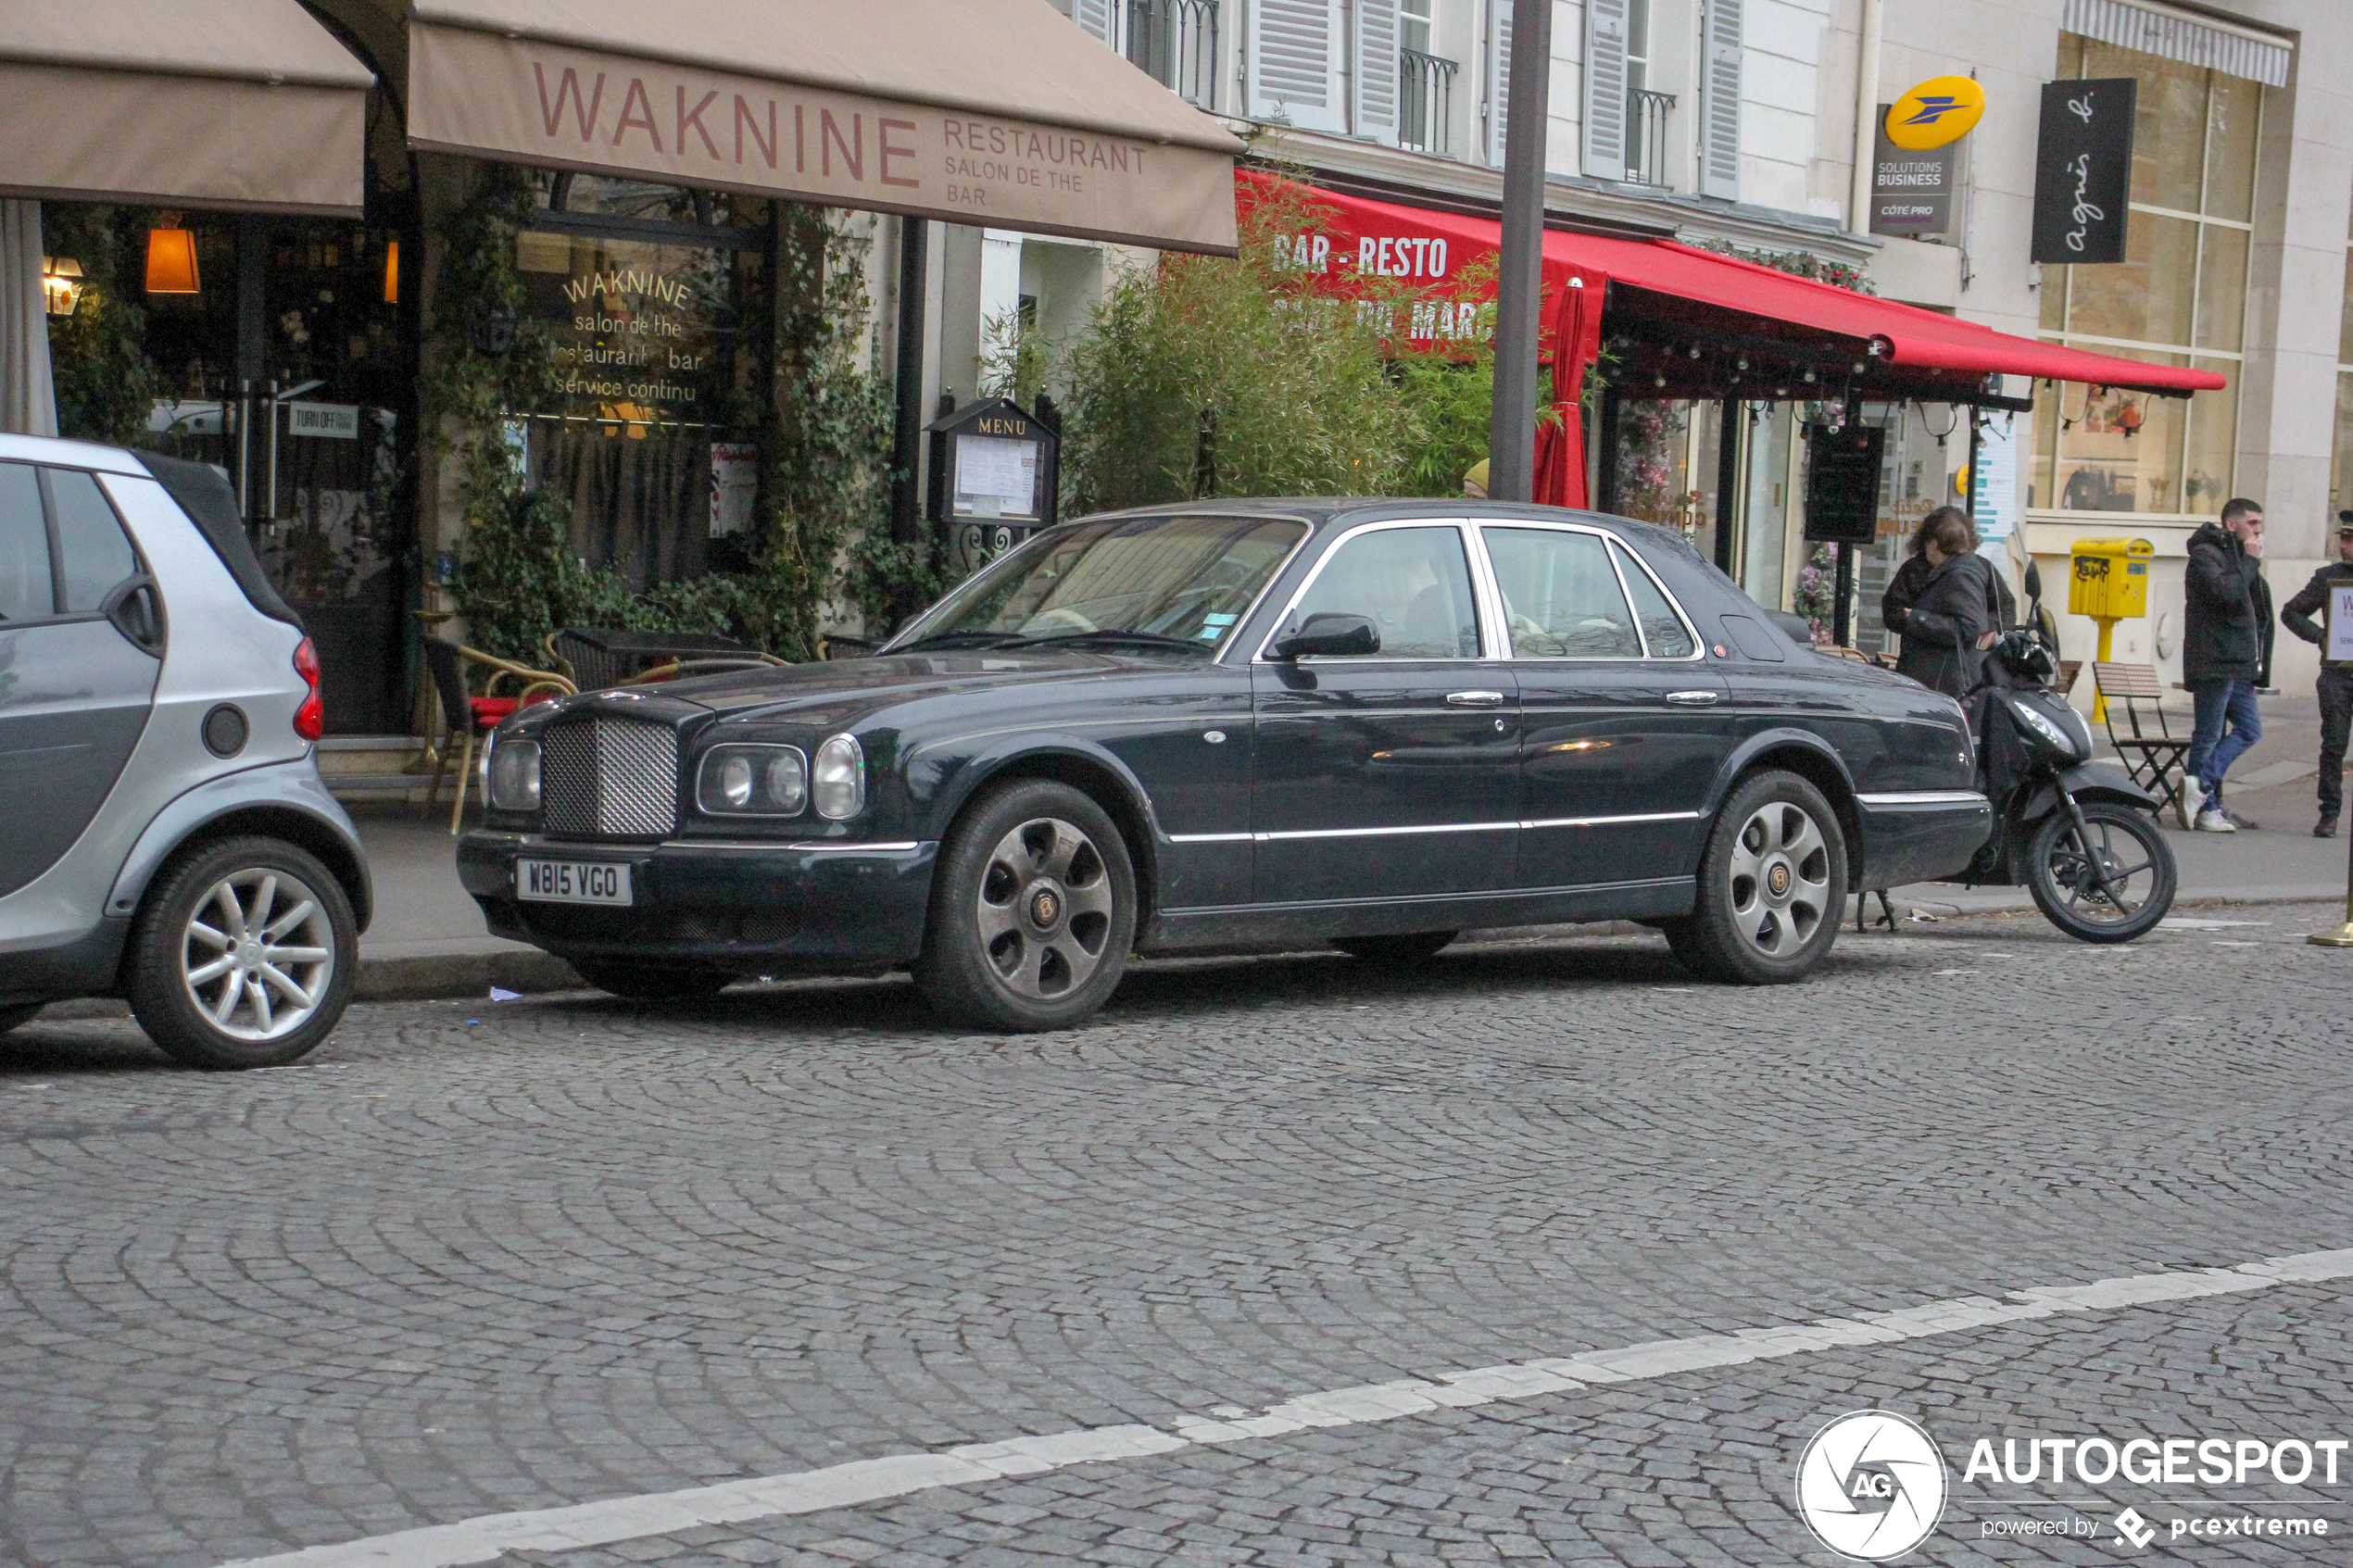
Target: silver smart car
<point>164,836</point>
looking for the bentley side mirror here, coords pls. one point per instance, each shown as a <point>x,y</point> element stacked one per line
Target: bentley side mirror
<point>1329,635</point>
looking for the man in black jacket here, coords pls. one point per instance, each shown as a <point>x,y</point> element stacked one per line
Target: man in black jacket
<point>2336,675</point>
<point>2226,653</point>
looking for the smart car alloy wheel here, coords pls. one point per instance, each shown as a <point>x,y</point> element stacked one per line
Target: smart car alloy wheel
<point>243,955</point>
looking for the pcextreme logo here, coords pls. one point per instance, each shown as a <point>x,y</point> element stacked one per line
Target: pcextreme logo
<point>1942,109</point>
<point>1872,1486</point>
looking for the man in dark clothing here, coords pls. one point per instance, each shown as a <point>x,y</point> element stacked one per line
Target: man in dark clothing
<point>2226,653</point>
<point>2336,675</point>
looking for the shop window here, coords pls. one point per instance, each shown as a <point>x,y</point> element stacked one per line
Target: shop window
<point>2178,298</point>
<point>648,295</point>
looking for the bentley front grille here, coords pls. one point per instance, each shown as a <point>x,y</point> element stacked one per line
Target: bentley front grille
<point>609,777</point>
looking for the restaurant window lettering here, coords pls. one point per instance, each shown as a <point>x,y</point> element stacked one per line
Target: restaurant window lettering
<point>647,412</point>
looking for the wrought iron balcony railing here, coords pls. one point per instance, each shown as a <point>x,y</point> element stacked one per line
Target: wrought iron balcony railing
<point>1425,102</point>
<point>1646,136</point>
<point>1175,43</point>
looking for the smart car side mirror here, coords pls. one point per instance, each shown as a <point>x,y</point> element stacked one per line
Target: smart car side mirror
<point>1329,635</point>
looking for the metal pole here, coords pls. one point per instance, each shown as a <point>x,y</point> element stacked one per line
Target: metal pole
<point>1519,290</point>
<point>1842,618</point>
<point>906,447</point>
<point>1727,482</point>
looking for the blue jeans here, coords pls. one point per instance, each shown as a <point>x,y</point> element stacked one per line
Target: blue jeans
<point>2212,751</point>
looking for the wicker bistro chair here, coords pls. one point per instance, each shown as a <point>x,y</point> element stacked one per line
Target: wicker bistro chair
<point>680,670</point>
<point>463,713</point>
<point>2151,758</point>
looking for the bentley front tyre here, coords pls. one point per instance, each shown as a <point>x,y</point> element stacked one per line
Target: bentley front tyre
<point>243,955</point>
<point>1772,884</point>
<point>2109,881</point>
<point>1033,909</point>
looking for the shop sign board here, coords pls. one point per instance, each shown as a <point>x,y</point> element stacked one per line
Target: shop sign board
<point>635,326</point>
<point>735,486</point>
<point>1937,113</point>
<point>337,421</point>
<point>2340,639</point>
<point>557,106</point>
<point>1995,511</point>
<point>1842,484</point>
<point>2083,170</point>
<point>1912,188</point>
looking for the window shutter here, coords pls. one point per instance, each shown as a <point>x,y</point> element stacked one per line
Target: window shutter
<point>1377,64</point>
<point>1719,164</point>
<point>1094,16</point>
<point>1606,89</point>
<point>1499,77</point>
<point>1291,67</point>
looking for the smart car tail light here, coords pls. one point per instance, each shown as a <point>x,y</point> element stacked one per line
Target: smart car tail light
<point>311,718</point>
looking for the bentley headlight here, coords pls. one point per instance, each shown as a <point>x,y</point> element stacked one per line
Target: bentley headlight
<point>753,781</point>
<point>840,782</point>
<point>514,775</point>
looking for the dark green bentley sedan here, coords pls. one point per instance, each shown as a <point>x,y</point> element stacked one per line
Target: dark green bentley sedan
<point>1368,723</point>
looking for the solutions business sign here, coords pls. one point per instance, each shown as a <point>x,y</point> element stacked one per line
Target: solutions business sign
<point>2083,170</point>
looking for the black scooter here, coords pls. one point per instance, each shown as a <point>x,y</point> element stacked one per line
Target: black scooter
<point>2082,840</point>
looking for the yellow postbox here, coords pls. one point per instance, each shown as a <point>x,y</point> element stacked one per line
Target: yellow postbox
<point>2110,582</point>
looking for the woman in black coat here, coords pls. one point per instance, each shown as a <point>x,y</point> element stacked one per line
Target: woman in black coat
<point>1941,603</point>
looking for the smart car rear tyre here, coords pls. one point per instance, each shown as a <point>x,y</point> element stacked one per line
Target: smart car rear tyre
<point>653,983</point>
<point>243,955</point>
<point>1772,885</point>
<point>1414,948</point>
<point>1033,909</point>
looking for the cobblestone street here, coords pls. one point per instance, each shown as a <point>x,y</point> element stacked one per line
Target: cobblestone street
<point>476,1258</point>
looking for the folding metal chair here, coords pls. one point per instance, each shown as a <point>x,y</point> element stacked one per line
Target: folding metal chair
<point>2151,758</point>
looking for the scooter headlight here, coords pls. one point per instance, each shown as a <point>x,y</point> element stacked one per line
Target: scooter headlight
<point>2058,737</point>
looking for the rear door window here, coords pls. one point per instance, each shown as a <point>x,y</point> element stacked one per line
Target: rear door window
<point>1561,598</point>
<point>26,590</point>
<point>92,548</point>
<point>1663,630</point>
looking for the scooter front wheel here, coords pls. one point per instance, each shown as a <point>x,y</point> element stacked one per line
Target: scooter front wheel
<point>2066,867</point>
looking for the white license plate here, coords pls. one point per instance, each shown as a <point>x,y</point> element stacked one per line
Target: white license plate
<point>571,882</point>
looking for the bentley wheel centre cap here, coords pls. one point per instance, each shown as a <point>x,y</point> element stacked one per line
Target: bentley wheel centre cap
<point>1045,907</point>
<point>1777,880</point>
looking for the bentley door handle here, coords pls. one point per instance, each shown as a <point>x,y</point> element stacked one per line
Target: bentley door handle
<point>1475,699</point>
<point>1693,699</point>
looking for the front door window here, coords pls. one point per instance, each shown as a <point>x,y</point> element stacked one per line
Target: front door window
<point>1413,583</point>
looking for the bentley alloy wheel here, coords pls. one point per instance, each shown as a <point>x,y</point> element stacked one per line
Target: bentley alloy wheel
<point>243,955</point>
<point>1033,909</point>
<point>1772,884</point>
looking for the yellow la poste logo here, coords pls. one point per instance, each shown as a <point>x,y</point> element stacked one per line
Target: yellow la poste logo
<point>1942,109</point>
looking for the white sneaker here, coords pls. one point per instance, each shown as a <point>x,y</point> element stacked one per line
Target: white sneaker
<point>2212,820</point>
<point>2193,798</point>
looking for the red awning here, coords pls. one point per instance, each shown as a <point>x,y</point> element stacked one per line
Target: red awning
<point>1703,291</point>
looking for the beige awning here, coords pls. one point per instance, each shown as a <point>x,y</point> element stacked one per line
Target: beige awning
<point>244,104</point>
<point>990,112</point>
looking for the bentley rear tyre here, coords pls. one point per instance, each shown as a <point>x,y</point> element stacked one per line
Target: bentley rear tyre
<point>654,982</point>
<point>1772,884</point>
<point>1410,949</point>
<point>243,955</point>
<point>1033,909</point>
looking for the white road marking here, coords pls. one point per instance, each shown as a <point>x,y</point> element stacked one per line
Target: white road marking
<point>492,1535</point>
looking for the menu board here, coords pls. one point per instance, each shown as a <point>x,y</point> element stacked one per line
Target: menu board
<point>1842,484</point>
<point>996,477</point>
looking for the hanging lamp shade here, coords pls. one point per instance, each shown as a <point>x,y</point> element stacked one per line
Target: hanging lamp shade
<point>172,261</point>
